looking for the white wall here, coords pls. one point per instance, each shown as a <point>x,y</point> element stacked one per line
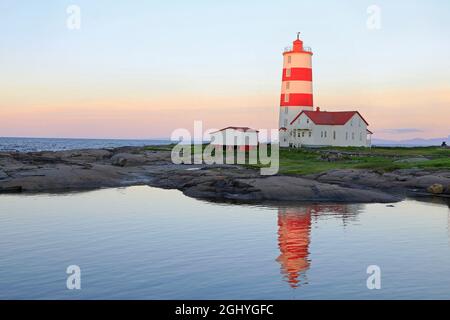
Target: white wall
<point>353,133</point>
<point>287,114</point>
<point>298,60</point>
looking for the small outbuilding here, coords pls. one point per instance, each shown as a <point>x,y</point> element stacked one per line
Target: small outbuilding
<point>241,138</point>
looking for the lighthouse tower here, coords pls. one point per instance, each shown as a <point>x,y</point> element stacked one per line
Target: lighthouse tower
<point>296,88</point>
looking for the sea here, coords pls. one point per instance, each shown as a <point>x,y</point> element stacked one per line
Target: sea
<point>58,144</point>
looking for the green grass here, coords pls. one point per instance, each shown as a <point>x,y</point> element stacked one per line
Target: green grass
<point>167,147</point>
<point>308,161</point>
<point>396,151</point>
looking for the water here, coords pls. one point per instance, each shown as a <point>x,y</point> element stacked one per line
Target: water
<point>147,243</point>
<point>58,144</point>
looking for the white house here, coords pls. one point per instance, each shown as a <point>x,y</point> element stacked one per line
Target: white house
<point>323,128</point>
<point>243,138</point>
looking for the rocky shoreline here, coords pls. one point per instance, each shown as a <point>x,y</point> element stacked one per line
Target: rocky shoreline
<point>77,170</point>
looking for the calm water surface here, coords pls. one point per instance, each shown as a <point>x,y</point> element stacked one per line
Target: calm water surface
<point>58,144</point>
<point>146,243</point>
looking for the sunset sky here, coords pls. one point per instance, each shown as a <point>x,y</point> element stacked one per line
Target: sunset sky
<point>140,69</point>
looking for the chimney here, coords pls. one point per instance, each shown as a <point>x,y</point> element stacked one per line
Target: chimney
<point>318,109</point>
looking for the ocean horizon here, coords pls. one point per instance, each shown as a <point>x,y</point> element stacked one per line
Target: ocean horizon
<point>30,144</point>
<point>37,144</point>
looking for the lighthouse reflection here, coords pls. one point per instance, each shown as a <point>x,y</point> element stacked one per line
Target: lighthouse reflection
<point>294,228</point>
<point>294,236</point>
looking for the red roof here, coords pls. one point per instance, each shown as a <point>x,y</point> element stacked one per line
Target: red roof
<point>330,118</point>
<point>244,129</point>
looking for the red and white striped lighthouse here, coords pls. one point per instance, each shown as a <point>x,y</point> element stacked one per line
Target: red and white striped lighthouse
<point>296,88</point>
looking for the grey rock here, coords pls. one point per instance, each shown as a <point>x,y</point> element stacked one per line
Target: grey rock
<point>126,159</point>
<point>3,175</point>
<point>12,189</point>
<point>87,155</point>
<point>428,180</point>
<point>412,171</point>
<point>118,161</point>
<point>284,188</point>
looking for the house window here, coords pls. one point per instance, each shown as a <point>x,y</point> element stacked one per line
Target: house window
<point>303,134</point>
<point>288,72</point>
<point>309,134</point>
<point>334,135</point>
<point>321,134</point>
<point>285,123</point>
<point>325,134</point>
<point>286,97</point>
<point>353,136</point>
<point>298,134</point>
<point>289,59</point>
<point>287,85</point>
<point>307,120</point>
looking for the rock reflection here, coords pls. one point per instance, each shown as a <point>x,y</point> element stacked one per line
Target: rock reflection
<point>294,236</point>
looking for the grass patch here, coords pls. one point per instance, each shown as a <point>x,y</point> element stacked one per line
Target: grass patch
<point>164,147</point>
<point>308,161</point>
<point>396,151</point>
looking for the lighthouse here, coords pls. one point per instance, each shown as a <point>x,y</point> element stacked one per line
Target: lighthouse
<point>296,87</point>
<point>302,126</point>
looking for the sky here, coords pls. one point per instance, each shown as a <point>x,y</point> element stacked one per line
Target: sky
<point>141,69</point>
